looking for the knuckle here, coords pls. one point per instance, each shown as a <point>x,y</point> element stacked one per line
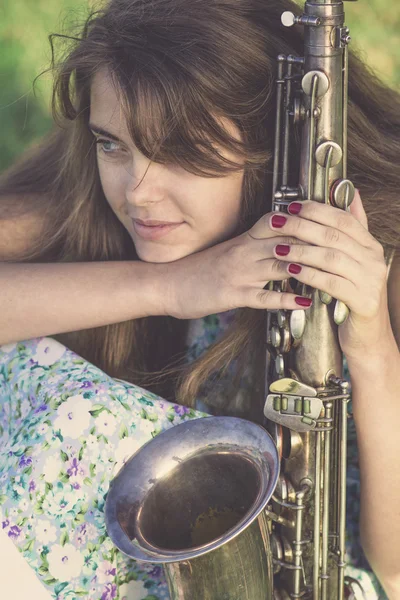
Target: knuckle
<point>290,240</point>
<point>333,285</point>
<point>332,235</point>
<point>277,266</point>
<point>382,270</point>
<point>301,252</point>
<point>378,248</point>
<point>263,296</point>
<point>331,256</point>
<point>344,220</point>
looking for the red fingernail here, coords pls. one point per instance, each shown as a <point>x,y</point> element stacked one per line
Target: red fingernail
<point>282,249</point>
<point>294,208</point>
<point>294,269</point>
<point>278,221</point>
<point>303,301</point>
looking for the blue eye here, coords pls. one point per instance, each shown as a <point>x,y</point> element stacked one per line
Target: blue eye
<point>101,144</point>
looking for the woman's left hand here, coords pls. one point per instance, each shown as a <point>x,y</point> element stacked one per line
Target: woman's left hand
<point>346,261</point>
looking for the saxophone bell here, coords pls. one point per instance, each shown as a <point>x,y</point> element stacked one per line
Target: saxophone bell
<point>193,499</point>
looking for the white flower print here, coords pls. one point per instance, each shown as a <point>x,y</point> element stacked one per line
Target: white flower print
<point>134,590</point>
<point>91,531</point>
<point>8,348</point>
<point>59,503</point>
<point>43,427</point>
<point>73,416</point>
<point>52,467</point>
<point>24,504</point>
<point>125,449</point>
<point>48,351</point>
<point>92,441</point>
<point>105,572</point>
<point>45,532</point>
<point>105,423</point>
<point>20,490</point>
<point>65,562</point>
<point>146,427</point>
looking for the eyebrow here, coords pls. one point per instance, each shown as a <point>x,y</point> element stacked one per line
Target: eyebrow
<point>101,131</point>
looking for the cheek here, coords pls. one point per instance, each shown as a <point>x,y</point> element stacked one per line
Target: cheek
<point>112,186</point>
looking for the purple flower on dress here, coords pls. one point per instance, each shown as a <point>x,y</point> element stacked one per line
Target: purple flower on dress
<point>73,470</point>
<point>5,523</point>
<point>181,410</point>
<point>87,384</point>
<point>156,572</point>
<point>32,485</point>
<point>14,532</point>
<point>110,592</point>
<point>41,408</point>
<point>25,461</point>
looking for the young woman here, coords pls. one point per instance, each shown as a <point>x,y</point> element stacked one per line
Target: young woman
<point>164,112</point>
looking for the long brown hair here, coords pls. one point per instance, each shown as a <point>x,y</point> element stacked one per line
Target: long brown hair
<point>182,62</point>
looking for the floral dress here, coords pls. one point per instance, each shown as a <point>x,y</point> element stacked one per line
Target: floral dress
<point>66,428</point>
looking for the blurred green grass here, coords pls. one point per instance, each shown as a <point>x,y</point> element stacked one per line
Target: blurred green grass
<point>25,52</point>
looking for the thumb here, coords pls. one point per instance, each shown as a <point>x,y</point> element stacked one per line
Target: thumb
<point>357,210</point>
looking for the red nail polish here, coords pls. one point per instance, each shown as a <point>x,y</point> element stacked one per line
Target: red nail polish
<point>278,221</point>
<point>282,249</point>
<point>303,301</point>
<point>294,208</point>
<point>294,269</point>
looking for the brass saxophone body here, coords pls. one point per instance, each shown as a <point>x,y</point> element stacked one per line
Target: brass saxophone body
<point>306,407</point>
<point>233,510</point>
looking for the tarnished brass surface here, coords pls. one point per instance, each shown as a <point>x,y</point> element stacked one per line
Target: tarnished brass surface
<point>193,500</point>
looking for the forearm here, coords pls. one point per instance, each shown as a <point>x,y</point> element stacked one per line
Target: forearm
<point>376,408</point>
<point>46,299</point>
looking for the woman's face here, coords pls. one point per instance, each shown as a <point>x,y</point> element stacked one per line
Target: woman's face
<point>207,208</point>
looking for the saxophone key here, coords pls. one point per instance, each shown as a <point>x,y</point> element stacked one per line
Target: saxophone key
<point>297,323</point>
<point>275,337</point>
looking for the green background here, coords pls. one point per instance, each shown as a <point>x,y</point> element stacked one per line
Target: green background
<point>25,52</point>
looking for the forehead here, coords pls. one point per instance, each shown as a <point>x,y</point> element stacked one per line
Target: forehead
<point>105,106</point>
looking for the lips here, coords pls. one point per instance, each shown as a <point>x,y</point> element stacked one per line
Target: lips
<point>153,232</point>
<point>155,223</point>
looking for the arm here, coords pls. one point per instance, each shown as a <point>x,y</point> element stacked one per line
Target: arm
<point>46,299</point>
<point>376,408</point>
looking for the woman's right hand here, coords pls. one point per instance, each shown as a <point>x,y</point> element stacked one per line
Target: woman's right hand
<point>229,275</point>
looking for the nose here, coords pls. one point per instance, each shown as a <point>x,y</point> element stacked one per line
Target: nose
<point>149,188</point>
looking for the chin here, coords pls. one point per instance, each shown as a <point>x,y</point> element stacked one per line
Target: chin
<point>161,255</point>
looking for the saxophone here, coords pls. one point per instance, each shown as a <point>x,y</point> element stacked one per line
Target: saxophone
<point>233,510</point>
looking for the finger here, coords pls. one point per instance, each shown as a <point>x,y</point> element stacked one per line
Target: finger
<point>329,260</point>
<point>270,300</point>
<point>357,210</point>
<point>319,235</point>
<point>276,236</point>
<point>334,285</point>
<point>334,217</point>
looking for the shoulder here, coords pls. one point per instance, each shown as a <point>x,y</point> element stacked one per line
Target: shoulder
<point>393,286</point>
